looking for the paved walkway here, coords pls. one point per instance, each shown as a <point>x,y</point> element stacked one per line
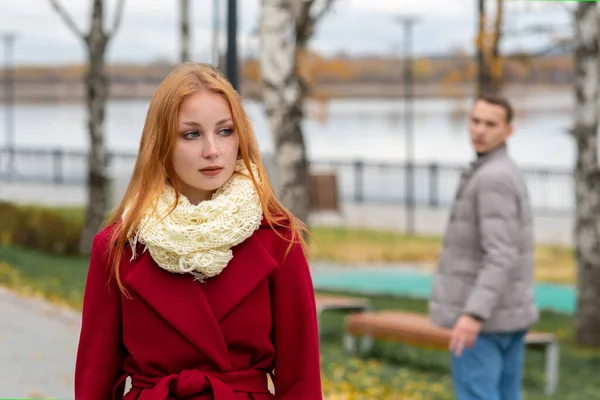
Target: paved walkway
<point>38,343</point>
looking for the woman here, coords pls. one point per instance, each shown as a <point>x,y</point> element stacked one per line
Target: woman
<point>198,287</point>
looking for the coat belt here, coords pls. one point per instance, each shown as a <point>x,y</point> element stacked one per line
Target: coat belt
<point>193,382</point>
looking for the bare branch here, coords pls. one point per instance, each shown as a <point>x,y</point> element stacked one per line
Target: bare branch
<point>118,18</point>
<point>562,44</point>
<point>301,10</point>
<point>324,10</point>
<point>307,17</point>
<point>67,18</point>
<point>536,29</point>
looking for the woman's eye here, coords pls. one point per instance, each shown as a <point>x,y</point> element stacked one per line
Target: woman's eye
<point>226,131</point>
<point>191,135</point>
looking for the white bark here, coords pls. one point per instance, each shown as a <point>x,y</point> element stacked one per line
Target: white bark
<point>285,28</point>
<point>282,96</point>
<point>587,173</point>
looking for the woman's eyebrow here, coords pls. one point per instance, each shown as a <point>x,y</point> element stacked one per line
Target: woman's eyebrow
<point>192,124</point>
<point>223,121</point>
<point>199,125</point>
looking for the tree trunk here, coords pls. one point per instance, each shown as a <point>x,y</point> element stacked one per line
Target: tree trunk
<point>283,96</point>
<point>495,56</point>
<point>483,71</point>
<point>96,82</point>
<point>587,174</point>
<point>97,93</point>
<point>184,9</point>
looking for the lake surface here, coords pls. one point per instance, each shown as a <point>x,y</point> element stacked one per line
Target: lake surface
<point>367,129</point>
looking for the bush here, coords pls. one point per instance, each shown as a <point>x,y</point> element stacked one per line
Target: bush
<point>53,231</point>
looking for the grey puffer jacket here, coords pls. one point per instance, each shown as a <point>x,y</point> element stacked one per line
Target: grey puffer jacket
<point>486,264</point>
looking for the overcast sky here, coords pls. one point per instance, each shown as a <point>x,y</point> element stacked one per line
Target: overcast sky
<point>150,28</point>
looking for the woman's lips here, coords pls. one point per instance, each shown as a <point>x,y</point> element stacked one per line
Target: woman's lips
<point>211,171</point>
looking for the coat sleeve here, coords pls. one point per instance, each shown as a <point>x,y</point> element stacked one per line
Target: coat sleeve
<point>100,352</point>
<point>297,360</point>
<point>498,213</point>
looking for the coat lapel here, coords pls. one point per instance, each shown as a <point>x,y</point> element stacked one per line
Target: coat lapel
<point>252,263</point>
<point>180,301</point>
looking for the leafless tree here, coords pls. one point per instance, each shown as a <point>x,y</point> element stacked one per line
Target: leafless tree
<point>95,41</point>
<point>286,26</point>
<point>587,173</point>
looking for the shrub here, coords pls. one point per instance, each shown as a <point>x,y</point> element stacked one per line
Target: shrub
<point>54,231</point>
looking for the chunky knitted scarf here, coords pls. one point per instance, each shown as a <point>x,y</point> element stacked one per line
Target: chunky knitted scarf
<point>197,239</point>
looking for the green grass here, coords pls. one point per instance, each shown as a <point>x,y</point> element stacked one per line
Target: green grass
<point>59,279</point>
<point>554,264</point>
<point>390,371</point>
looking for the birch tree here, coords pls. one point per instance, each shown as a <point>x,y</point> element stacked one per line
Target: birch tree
<point>95,41</point>
<point>587,173</point>
<point>184,30</point>
<point>489,59</point>
<point>286,26</point>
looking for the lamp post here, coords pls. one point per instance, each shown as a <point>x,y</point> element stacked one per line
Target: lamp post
<point>232,53</point>
<point>407,23</point>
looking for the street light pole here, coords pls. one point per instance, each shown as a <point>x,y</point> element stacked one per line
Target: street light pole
<point>232,53</point>
<point>407,23</point>
<point>9,99</point>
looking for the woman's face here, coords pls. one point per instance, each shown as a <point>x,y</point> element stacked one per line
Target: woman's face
<point>206,147</point>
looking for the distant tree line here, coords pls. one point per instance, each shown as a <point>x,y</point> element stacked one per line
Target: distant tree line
<point>459,67</point>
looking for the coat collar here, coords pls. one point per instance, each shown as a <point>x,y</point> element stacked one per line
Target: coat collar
<point>195,309</point>
<point>490,155</point>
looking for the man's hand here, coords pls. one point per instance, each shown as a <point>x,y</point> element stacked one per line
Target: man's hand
<point>464,334</point>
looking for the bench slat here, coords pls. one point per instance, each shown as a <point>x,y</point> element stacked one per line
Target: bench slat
<point>330,301</point>
<point>412,328</point>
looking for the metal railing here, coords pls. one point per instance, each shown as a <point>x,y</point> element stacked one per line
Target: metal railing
<point>434,185</point>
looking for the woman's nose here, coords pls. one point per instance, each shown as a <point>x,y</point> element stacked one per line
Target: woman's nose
<point>210,149</point>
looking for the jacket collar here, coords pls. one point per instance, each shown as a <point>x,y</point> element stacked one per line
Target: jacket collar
<point>466,175</point>
<point>499,151</point>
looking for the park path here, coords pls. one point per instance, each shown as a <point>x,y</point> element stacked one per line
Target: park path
<point>38,343</point>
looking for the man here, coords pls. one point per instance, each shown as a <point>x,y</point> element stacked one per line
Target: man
<point>483,288</point>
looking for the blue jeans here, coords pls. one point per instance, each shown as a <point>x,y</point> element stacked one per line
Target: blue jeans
<point>491,369</point>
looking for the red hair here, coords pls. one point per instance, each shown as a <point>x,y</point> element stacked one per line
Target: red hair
<point>153,167</point>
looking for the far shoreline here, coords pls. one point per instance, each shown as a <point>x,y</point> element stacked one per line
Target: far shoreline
<point>74,92</point>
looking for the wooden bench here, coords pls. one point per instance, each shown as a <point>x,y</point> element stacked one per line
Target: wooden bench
<point>417,330</point>
<point>341,303</point>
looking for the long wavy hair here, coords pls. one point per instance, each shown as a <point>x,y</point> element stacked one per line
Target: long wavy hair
<point>154,168</point>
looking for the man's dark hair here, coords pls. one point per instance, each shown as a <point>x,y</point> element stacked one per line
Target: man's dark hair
<point>498,101</point>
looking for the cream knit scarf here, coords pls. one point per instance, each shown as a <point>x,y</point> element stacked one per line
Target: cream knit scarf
<point>197,239</point>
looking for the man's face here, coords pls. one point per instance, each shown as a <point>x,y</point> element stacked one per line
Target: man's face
<point>488,126</point>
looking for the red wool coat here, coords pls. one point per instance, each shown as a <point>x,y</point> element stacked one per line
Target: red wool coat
<point>180,339</point>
